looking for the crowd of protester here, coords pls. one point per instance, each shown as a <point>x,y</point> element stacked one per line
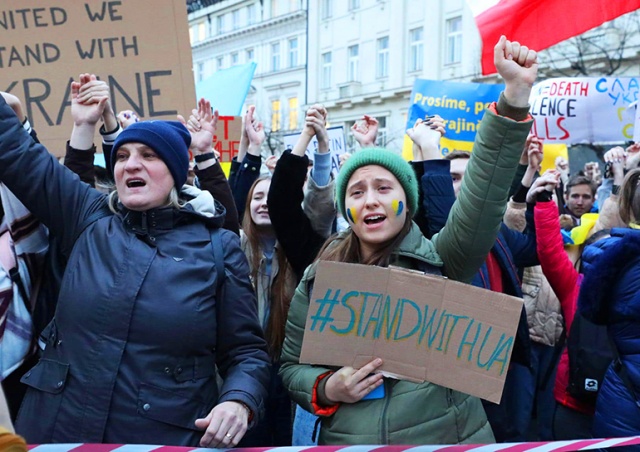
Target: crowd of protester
<point>157,301</point>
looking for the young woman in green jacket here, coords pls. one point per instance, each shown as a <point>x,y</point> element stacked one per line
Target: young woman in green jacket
<point>377,192</point>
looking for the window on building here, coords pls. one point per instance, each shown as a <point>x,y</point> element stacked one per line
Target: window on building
<point>354,4</point>
<point>219,63</point>
<point>222,27</point>
<point>381,139</point>
<point>235,19</point>
<point>293,113</point>
<point>293,52</point>
<point>251,14</point>
<point>294,5</point>
<point>199,71</point>
<point>353,63</point>
<point>416,49</point>
<point>276,115</point>
<point>250,55</point>
<point>202,31</point>
<point>235,59</point>
<point>326,9</point>
<point>382,60</point>
<point>326,70</point>
<point>454,40</point>
<point>192,34</point>
<point>275,56</point>
<point>274,8</point>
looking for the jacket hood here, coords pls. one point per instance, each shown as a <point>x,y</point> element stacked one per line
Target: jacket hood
<point>201,203</point>
<point>602,263</point>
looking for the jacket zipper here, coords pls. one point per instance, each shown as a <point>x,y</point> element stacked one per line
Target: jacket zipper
<point>450,397</point>
<point>387,400</point>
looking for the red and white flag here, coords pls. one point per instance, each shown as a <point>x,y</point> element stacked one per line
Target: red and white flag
<point>539,24</point>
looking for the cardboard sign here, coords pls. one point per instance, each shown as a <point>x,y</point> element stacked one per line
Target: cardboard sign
<point>337,145</point>
<point>139,47</point>
<point>227,138</point>
<point>584,109</point>
<point>425,328</point>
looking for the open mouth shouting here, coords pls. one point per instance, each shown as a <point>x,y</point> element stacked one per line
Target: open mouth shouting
<point>374,219</point>
<point>135,182</point>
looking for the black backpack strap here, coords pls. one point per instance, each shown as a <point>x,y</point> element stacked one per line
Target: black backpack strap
<point>218,256</point>
<point>621,370</point>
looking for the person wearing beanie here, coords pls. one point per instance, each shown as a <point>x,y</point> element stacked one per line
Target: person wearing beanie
<point>155,301</point>
<point>170,140</point>
<point>377,192</point>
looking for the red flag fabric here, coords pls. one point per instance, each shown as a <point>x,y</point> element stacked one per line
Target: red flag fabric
<point>539,24</point>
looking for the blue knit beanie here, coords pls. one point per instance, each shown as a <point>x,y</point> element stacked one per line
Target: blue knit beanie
<point>391,161</point>
<point>169,139</point>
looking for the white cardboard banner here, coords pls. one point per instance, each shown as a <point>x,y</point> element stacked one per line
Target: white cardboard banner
<point>585,109</point>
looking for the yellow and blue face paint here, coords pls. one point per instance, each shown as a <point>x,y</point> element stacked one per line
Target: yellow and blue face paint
<point>351,214</point>
<point>397,206</point>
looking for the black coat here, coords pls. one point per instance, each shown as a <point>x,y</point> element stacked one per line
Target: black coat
<point>138,328</point>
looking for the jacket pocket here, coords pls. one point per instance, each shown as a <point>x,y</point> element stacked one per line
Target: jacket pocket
<point>47,376</point>
<point>169,407</point>
<point>38,413</point>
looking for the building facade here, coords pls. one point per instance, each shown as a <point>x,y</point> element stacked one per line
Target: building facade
<point>271,33</point>
<point>366,54</point>
<point>354,56</point>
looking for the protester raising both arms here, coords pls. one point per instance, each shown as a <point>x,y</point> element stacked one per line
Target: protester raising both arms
<point>377,191</point>
<point>140,323</point>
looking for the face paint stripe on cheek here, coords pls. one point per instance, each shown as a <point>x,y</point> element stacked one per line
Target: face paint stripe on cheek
<point>397,206</point>
<point>351,213</point>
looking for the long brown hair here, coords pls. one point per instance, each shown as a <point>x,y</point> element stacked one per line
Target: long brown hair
<point>629,202</point>
<point>346,248</point>
<point>281,290</point>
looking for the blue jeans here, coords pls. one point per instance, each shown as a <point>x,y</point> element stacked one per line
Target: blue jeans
<point>303,425</point>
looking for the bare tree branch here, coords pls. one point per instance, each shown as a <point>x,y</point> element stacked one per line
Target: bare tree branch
<point>601,51</point>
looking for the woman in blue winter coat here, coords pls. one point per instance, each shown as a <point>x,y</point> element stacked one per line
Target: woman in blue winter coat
<point>153,299</point>
<point>610,295</point>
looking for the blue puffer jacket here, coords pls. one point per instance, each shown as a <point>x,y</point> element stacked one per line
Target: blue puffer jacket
<point>139,329</point>
<point>610,295</point>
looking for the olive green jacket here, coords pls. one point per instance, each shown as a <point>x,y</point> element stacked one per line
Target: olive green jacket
<point>423,413</point>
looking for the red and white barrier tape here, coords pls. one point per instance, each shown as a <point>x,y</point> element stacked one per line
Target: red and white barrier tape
<point>554,446</point>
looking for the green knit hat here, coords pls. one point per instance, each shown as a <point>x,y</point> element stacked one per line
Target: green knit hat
<point>391,161</point>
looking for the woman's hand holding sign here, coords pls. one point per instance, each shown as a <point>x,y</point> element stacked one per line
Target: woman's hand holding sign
<point>349,385</point>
